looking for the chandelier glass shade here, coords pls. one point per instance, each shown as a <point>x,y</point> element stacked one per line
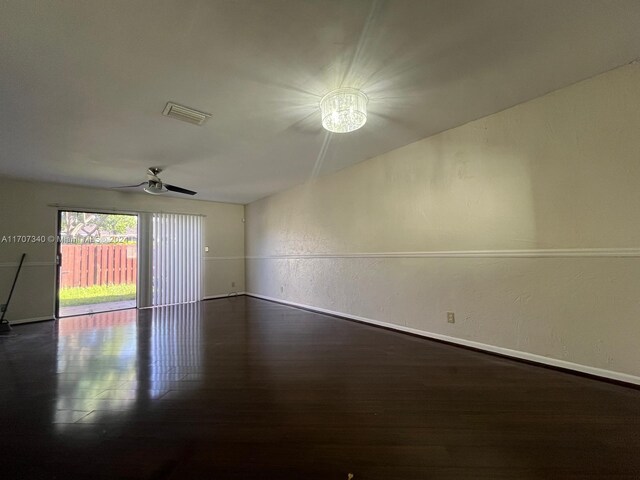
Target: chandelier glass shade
<point>344,110</point>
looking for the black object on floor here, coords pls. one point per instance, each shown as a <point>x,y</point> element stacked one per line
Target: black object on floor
<point>5,326</point>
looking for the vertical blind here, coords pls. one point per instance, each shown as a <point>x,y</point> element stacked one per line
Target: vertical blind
<point>176,258</point>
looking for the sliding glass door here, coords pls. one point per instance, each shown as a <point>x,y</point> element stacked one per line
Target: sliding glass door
<point>101,268</point>
<point>97,262</point>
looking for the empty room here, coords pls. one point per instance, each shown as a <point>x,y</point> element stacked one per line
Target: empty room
<point>320,239</point>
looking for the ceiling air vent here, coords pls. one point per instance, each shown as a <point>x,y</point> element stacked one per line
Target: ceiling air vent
<point>185,114</point>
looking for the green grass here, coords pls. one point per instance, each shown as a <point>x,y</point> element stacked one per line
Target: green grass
<point>96,294</point>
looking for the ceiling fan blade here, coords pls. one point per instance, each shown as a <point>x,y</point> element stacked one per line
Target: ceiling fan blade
<point>131,186</point>
<point>173,188</point>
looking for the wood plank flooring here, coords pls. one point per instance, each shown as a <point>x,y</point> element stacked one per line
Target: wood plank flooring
<point>242,388</point>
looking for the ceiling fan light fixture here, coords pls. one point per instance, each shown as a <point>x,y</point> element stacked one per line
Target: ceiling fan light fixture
<point>155,188</point>
<point>344,110</point>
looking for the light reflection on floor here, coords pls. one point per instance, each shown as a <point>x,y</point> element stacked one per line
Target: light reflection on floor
<point>96,353</point>
<point>171,360</point>
<point>113,362</point>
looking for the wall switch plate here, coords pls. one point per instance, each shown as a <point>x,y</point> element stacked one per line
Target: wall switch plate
<point>206,249</point>
<point>451,318</point>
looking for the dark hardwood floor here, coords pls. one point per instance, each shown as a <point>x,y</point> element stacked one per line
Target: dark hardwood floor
<point>246,389</point>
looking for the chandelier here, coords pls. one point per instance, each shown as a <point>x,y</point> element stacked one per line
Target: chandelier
<point>344,110</point>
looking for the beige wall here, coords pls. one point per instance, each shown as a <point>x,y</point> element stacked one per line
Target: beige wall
<point>523,223</point>
<point>24,210</point>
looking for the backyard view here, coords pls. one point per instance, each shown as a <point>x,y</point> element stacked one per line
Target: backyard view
<point>98,268</point>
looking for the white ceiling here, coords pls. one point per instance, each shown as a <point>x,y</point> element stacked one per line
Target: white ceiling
<point>83,83</point>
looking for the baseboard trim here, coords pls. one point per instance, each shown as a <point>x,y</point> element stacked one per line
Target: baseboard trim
<point>531,358</point>
<point>31,320</point>
<point>224,295</point>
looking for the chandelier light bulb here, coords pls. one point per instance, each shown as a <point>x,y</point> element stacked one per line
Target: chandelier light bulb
<point>344,110</point>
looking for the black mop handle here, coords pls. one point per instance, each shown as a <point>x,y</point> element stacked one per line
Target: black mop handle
<point>6,306</point>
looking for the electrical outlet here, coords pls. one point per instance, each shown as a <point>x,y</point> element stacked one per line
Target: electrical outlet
<point>451,318</point>
<point>281,288</point>
<point>206,249</point>
<point>3,307</point>
<point>233,284</point>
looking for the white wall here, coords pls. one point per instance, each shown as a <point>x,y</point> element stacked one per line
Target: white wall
<point>24,210</point>
<point>523,223</point>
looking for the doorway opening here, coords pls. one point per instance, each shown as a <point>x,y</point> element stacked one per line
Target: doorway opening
<point>97,262</point>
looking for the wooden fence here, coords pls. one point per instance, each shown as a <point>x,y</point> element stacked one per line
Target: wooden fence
<point>95,264</point>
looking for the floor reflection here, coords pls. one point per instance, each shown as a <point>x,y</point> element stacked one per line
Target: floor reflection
<point>96,354</point>
<point>176,346</point>
<point>111,363</point>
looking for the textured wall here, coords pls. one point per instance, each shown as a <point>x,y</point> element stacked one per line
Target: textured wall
<point>523,223</point>
<point>24,210</point>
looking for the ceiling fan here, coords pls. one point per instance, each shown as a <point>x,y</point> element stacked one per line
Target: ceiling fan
<point>155,186</point>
